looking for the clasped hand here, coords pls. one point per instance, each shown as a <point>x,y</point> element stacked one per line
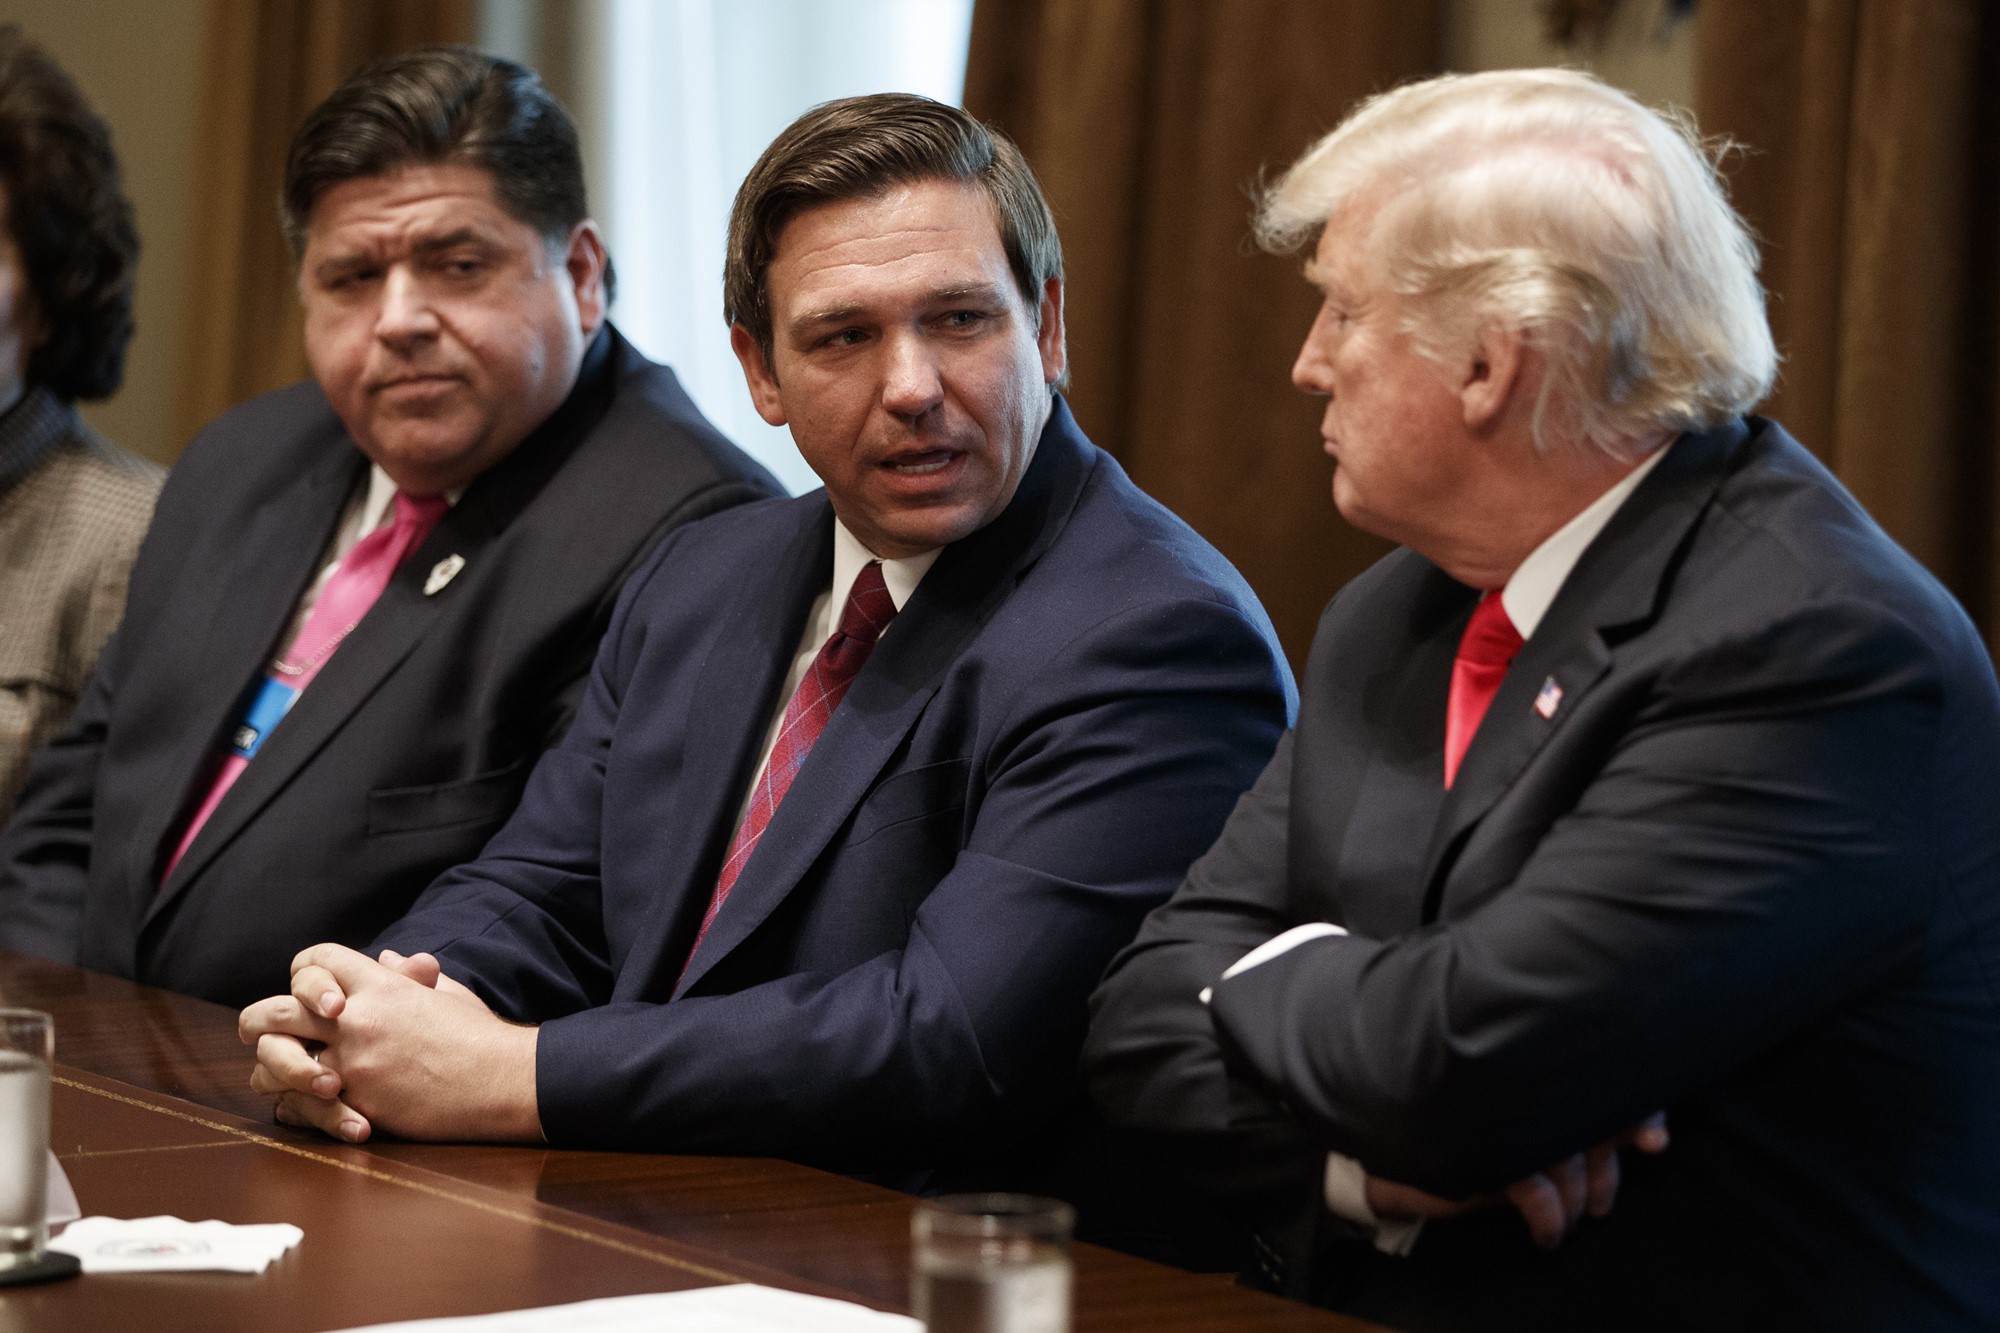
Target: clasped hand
<point>1549,1201</point>
<point>362,1044</point>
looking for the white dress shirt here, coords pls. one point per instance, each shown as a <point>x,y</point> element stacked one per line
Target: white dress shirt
<point>900,577</point>
<point>1527,596</point>
<point>369,510</point>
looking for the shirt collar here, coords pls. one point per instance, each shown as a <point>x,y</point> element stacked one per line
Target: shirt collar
<point>382,494</point>
<point>900,577</point>
<point>1533,588</point>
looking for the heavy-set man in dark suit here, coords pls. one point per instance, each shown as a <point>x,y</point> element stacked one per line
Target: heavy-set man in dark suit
<point>465,379</point>
<point>1651,776</point>
<point>868,949</point>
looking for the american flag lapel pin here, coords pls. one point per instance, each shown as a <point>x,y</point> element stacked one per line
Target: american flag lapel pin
<point>1549,699</point>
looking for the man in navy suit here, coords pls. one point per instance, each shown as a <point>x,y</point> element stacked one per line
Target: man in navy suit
<point>868,786</point>
<point>1650,775</point>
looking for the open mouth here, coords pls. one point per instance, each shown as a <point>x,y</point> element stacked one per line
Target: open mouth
<point>924,464</point>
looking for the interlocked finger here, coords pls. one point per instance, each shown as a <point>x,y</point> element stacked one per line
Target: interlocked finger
<point>332,1118</point>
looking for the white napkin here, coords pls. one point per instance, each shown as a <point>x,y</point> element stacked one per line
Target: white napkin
<point>62,1199</point>
<point>734,1309</point>
<point>169,1245</point>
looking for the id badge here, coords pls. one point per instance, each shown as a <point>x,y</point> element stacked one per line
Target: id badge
<point>273,700</point>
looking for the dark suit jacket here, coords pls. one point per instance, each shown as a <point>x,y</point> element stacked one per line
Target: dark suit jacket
<point>1052,728</point>
<point>411,746</point>
<point>1748,872</point>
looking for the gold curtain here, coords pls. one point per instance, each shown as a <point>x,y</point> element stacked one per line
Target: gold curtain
<point>1149,122</point>
<point>1873,137</point>
<point>266,63</point>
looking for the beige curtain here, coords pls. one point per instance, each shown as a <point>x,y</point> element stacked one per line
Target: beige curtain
<point>1872,130</point>
<point>266,63</point>
<point>1149,122</point>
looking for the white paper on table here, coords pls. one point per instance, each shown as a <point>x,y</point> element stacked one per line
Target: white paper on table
<point>743,1308</point>
<point>170,1245</point>
<point>62,1199</point>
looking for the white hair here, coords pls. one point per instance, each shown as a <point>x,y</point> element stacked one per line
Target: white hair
<point>1557,205</point>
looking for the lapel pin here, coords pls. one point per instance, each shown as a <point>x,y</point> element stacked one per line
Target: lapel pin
<point>443,572</point>
<point>1549,699</point>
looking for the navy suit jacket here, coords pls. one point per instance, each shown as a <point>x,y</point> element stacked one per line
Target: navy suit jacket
<point>1725,845</point>
<point>1051,729</point>
<point>414,741</point>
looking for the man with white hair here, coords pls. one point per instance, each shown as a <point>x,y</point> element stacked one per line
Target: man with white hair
<point>1651,775</point>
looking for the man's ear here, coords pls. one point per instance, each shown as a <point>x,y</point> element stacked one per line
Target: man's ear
<point>758,375</point>
<point>1049,337</point>
<point>1492,375</point>
<point>585,261</point>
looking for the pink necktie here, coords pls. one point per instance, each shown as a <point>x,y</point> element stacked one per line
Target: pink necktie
<point>1484,652</point>
<point>869,611</point>
<point>363,574</point>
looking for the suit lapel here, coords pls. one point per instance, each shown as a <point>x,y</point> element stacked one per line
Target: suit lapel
<point>728,713</point>
<point>378,644</point>
<point>967,584</point>
<point>1616,586</point>
<point>1387,804</point>
<point>397,620</point>
<point>285,542</point>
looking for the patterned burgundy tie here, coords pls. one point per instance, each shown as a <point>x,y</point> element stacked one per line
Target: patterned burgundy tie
<point>1484,653</point>
<point>869,611</point>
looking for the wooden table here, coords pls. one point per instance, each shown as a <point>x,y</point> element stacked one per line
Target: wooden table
<point>153,1114</point>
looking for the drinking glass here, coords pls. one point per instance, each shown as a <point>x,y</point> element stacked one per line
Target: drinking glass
<point>27,1049</point>
<point>991,1263</point>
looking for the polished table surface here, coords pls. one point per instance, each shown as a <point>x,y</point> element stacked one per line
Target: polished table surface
<point>153,1114</point>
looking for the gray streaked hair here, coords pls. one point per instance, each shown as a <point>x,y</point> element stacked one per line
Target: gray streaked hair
<point>1551,202</point>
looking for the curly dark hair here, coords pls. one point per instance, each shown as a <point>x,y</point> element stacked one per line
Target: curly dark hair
<point>69,219</point>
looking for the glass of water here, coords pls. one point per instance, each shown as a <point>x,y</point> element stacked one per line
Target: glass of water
<point>991,1263</point>
<point>27,1049</point>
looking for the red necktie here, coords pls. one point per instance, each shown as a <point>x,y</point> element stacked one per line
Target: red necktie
<point>363,573</point>
<point>1488,645</point>
<point>869,611</point>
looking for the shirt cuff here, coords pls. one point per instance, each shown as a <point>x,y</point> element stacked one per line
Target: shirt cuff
<point>1274,946</point>
<point>1346,1193</point>
<point>1346,1183</point>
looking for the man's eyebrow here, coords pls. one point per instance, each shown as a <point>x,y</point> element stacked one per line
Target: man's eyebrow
<point>974,291</point>
<point>450,240</point>
<point>984,293</point>
<point>333,266</point>
<point>837,314</point>
<point>364,256</point>
<point>1329,284</point>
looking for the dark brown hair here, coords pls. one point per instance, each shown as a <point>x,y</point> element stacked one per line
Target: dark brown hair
<point>859,146</point>
<point>70,220</point>
<point>443,104</point>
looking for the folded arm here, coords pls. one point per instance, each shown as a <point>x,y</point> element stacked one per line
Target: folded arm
<point>1754,849</point>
